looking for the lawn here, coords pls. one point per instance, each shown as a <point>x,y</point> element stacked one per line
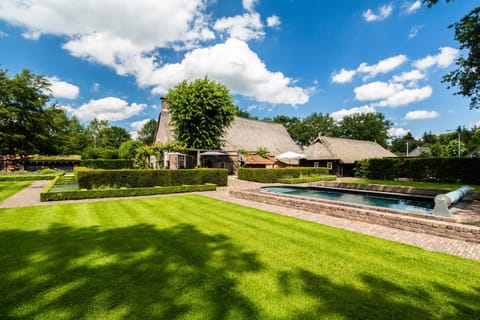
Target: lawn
<point>418,184</point>
<point>8,189</point>
<point>192,257</point>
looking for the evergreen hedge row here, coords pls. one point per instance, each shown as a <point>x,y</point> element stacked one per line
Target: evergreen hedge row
<point>150,178</point>
<point>110,164</point>
<point>28,177</point>
<point>307,179</point>
<point>449,170</point>
<point>273,175</point>
<point>46,195</point>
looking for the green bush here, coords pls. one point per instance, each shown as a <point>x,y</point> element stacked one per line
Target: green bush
<point>28,177</point>
<point>47,171</point>
<point>313,178</point>
<point>273,175</point>
<point>150,178</point>
<point>449,170</point>
<point>110,164</point>
<point>47,195</point>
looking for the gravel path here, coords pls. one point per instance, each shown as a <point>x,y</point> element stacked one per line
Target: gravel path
<point>30,196</point>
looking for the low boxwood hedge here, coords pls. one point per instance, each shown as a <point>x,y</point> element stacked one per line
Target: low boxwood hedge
<point>110,164</point>
<point>150,178</point>
<point>273,175</point>
<point>46,195</point>
<point>307,179</point>
<point>28,177</point>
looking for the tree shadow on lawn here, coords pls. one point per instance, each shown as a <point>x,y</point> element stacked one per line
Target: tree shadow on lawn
<point>132,272</point>
<point>375,298</point>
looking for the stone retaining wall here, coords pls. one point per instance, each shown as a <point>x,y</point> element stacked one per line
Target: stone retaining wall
<point>439,226</point>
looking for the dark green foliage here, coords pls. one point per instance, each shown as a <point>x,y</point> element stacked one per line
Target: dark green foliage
<point>451,170</point>
<point>23,125</point>
<point>365,126</point>
<point>128,149</point>
<point>147,133</point>
<point>273,175</point>
<point>107,163</point>
<point>150,178</point>
<point>47,195</point>
<point>200,111</point>
<point>312,178</point>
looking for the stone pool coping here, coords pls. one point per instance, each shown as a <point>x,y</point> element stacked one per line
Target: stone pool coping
<point>439,226</point>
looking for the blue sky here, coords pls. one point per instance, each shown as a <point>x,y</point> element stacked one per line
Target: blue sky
<point>114,59</point>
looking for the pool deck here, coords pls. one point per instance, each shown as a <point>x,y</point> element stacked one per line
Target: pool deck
<point>30,196</point>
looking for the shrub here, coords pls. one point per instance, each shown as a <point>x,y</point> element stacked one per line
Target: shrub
<point>29,177</point>
<point>273,175</point>
<point>110,164</point>
<point>47,195</point>
<point>312,178</point>
<point>150,178</point>
<point>47,171</point>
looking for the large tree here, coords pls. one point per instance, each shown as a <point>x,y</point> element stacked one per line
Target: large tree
<point>365,126</point>
<point>23,126</point>
<point>201,111</point>
<point>466,77</point>
<point>147,132</point>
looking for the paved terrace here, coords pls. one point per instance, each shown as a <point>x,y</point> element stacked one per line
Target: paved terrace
<point>31,197</point>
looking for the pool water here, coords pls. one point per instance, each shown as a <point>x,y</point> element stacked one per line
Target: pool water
<point>385,200</point>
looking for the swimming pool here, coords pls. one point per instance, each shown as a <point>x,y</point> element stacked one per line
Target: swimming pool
<point>396,201</point>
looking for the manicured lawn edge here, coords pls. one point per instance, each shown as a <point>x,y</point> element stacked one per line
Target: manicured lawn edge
<point>46,195</point>
<point>307,179</point>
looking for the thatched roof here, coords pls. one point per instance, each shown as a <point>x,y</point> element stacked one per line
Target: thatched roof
<point>242,135</point>
<point>417,152</point>
<point>345,150</point>
<point>256,159</point>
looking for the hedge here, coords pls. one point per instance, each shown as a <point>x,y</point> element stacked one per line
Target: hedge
<point>46,195</point>
<point>449,170</point>
<point>28,177</point>
<point>150,178</point>
<point>307,179</point>
<point>110,164</point>
<point>273,175</point>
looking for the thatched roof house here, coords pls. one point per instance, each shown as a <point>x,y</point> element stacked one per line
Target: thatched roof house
<point>339,154</point>
<point>244,136</point>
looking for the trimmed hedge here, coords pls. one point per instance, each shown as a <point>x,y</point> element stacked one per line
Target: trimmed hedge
<point>150,178</point>
<point>110,164</point>
<point>450,170</point>
<point>29,177</point>
<point>307,179</point>
<point>45,195</point>
<point>273,175</point>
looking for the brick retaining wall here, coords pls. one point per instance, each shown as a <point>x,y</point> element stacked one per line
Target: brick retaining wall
<point>439,226</point>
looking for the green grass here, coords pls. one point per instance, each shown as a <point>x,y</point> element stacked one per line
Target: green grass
<point>192,257</point>
<point>418,184</point>
<point>8,189</point>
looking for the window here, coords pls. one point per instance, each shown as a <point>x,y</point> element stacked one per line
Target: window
<point>315,164</point>
<point>222,165</point>
<point>329,165</point>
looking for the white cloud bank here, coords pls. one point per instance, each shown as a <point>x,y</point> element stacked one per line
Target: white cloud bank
<point>383,13</point>
<point>340,114</point>
<point>397,132</point>
<point>443,59</point>
<point>412,7</point>
<point>110,108</point>
<point>391,94</point>
<point>421,115</point>
<point>63,89</point>
<point>343,76</point>
<point>110,32</point>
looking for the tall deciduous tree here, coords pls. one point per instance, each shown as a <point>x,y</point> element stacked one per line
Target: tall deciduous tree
<point>23,127</point>
<point>147,132</point>
<point>365,126</point>
<point>201,111</point>
<point>466,77</point>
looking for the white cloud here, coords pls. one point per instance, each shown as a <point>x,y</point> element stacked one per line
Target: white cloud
<point>273,21</point>
<point>443,59</point>
<point>235,65</point>
<point>397,132</point>
<point>245,27</point>
<point>340,114</point>
<point>110,108</point>
<point>421,114</point>
<point>384,12</point>
<point>414,31</point>
<point>62,89</point>
<point>383,66</point>
<point>249,5</point>
<point>95,87</point>
<point>391,94</point>
<point>413,75</point>
<point>343,76</point>
<point>138,125</point>
<point>412,7</point>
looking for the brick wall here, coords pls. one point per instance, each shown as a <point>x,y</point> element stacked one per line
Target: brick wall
<point>439,226</point>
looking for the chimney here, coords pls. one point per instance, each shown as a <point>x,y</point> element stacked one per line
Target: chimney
<point>164,104</point>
